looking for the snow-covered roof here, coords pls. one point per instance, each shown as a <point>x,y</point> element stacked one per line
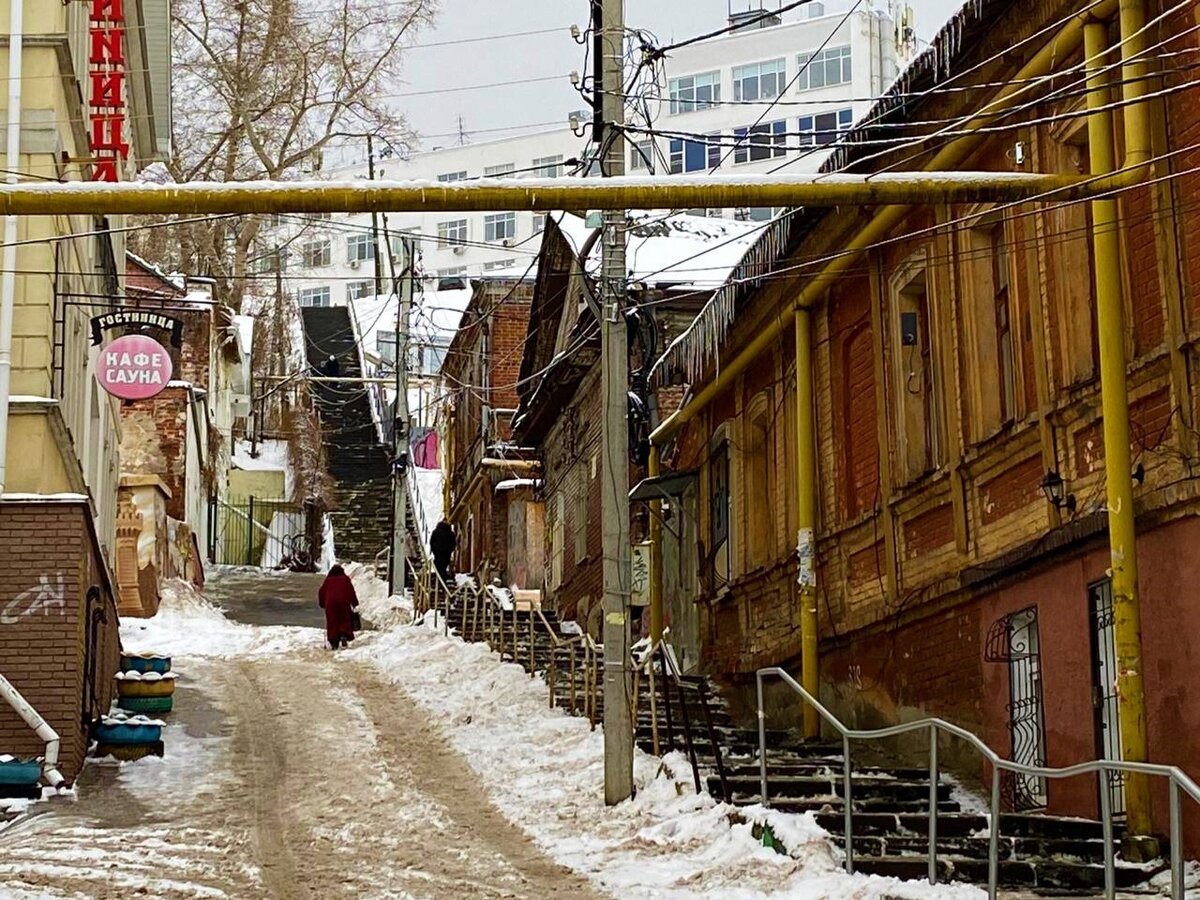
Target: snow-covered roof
<point>175,279</point>
<point>434,318</point>
<point>693,252</point>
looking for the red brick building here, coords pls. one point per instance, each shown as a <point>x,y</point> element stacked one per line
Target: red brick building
<point>490,480</point>
<point>64,618</point>
<point>955,367</point>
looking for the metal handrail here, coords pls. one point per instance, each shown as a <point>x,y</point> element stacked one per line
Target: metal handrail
<point>1178,781</point>
<point>672,673</point>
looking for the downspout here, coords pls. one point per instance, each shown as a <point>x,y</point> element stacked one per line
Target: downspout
<point>1110,318</point>
<point>8,279</point>
<point>30,717</point>
<point>806,516</point>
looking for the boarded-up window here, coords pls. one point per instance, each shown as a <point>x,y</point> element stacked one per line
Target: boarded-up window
<point>992,348</point>
<point>920,409</point>
<point>757,499</point>
<point>718,513</point>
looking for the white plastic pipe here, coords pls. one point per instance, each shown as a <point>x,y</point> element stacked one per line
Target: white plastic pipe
<point>8,278</point>
<point>34,720</point>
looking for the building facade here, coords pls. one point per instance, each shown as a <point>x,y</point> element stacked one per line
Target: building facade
<point>489,479</point>
<point>699,113</point>
<point>961,551</point>
<point>59,478</point>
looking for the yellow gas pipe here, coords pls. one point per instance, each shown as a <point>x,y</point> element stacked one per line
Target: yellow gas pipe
<point>1110,316</point>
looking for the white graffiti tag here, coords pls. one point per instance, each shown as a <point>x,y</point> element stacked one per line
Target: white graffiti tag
<point>42,597</point>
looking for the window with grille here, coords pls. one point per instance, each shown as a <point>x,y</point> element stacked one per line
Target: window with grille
<point>759,142</point>
<point>759,81</point>
<point>693,92</point>
<point>824,68</point>
<point>452,233</point>
<point>499,227</point>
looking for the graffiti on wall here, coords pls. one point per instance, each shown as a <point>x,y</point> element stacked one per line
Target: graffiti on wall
<point>47,597</point>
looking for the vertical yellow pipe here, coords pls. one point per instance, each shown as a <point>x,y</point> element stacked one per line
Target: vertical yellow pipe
<point>1117,465</point>
<point>806,515</point>
<point>656,566</point>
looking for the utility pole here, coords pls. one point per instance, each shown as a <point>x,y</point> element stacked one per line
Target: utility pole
<point>614,491</point>
<point>375,262</point>
<point>400,462</point>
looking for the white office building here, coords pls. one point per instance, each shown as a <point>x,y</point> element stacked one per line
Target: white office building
<point>771,94</point>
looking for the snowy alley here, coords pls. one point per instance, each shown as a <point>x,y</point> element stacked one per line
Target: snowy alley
<point>410,766</point>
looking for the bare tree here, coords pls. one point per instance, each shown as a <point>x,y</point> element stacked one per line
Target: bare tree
<point>263,88</point>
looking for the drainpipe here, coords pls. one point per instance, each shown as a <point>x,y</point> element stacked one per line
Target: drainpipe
<point>806,516</point>
<point>8,279</point>
<point>1110,316</point>
<point>31,718</point>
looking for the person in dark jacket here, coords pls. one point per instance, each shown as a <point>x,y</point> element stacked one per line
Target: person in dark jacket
<point>331,368</point>
<point>442,543</point>
<point>339,601</point>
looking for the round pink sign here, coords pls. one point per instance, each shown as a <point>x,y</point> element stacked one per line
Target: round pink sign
<point>134,367</point>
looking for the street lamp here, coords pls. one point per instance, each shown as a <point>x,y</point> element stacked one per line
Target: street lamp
<point>1054,488</point>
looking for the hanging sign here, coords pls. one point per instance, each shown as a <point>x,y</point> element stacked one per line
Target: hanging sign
<point>106,69</point>
<point>136,318</point>
<point>134,367</point>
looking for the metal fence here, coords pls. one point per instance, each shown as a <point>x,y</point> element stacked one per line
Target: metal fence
<point>252,531</point>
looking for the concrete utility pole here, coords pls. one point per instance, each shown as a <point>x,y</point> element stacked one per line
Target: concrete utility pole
<point>614,491</point>
<point>400,461</point>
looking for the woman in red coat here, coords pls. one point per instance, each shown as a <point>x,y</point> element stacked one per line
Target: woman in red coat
<point>339,601</point>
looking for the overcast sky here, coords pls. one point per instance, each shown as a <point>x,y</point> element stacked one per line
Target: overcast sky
<point>432,73</point>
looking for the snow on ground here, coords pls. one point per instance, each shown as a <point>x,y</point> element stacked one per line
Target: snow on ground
<point>189,625</point>
<point>545,772</point>
<point>374,602</point>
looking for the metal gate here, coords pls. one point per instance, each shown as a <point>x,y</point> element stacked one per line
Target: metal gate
<point>251,531</point>
<point>1014,640</point>
<point>1106,712</point>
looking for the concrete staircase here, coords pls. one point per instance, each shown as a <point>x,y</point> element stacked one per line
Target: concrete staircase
<point>1039,854</point>
<point>358,463</point>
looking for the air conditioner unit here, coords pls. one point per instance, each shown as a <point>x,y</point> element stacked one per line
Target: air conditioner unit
<point>507,242</point>
<point>459,250</point>
<point>353,263</point>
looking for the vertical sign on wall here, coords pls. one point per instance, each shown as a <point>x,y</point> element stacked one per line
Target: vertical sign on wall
<point>106,68</point>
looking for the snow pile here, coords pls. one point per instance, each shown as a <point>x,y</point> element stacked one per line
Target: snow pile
<point>544,770</point>
<point>375,604</point>
<point>189,625</point>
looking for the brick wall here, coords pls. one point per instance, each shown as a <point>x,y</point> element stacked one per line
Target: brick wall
<point>48,564</point>
<point>153,442</point>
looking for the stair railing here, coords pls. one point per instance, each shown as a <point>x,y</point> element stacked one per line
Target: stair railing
<point>672,675</point>
<point>557,642</point>
<point>1178,783</point>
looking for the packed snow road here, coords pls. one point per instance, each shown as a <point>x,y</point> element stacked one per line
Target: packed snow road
<point>291,772</point>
